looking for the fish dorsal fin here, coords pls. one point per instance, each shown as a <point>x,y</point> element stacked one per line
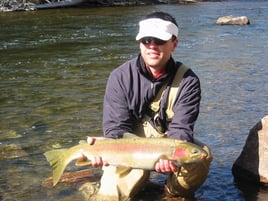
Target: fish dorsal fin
<point>82,142</point>
<point>130,135</point>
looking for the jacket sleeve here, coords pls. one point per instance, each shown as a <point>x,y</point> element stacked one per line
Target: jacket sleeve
<point>186,108</point>
<point>116,116</point>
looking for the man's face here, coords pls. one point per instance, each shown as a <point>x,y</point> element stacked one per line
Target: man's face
<point>157,55</point>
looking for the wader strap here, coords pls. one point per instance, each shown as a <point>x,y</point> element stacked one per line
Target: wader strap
<point>155,104</point>
<point>174,90</point>
<point>150,125</point>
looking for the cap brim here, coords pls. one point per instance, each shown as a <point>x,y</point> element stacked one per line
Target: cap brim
<point>163,36</point>
<point>158,28</point>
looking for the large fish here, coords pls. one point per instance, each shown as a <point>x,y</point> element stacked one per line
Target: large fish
<point>139,153</point>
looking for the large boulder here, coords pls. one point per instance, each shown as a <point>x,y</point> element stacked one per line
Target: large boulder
<point>252,164</point>
<point>232,20</point>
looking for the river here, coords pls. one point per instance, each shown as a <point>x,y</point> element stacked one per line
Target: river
<point>53,69</point>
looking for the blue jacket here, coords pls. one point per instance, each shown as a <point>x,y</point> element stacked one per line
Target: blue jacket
<point>129,91</point>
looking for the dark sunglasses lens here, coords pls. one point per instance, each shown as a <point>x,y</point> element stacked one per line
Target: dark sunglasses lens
<point>159,41</point>
<point>148,40</point>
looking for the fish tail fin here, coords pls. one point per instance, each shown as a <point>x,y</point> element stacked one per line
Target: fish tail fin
<point>57,160</point>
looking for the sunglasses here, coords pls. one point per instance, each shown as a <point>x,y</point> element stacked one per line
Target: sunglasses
<point>148,40</point>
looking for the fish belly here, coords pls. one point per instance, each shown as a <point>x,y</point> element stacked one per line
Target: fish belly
<point>136,160</point>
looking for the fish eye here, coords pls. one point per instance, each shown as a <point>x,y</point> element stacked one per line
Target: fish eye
<point>195,151</point>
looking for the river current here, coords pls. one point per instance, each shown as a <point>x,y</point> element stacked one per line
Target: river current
<point>53,69</point>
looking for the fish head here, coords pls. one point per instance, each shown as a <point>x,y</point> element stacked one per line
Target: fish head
<point>189,153</point>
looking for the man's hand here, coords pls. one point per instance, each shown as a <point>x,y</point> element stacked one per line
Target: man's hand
<point>166,166</point>
<point>96,161</point>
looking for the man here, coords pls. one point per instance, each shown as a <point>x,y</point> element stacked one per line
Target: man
<point>152,96</point>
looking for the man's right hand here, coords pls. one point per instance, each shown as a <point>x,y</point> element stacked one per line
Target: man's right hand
<point>96,161</point>
<point>165,166</point>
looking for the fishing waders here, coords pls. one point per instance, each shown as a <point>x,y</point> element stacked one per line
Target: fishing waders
<point>122,184</point>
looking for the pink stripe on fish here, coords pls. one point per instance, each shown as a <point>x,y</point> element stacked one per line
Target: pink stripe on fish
<point>130,147</point>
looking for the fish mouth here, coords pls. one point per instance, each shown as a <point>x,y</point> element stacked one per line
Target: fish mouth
<point>203,156</point>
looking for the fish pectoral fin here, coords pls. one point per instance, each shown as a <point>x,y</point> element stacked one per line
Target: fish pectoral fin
<point>122,171</point>
<point>83,161</point>
<point>177,163</point>
<point>163,157</point>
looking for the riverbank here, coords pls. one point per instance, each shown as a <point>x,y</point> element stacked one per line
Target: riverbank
<point>30,5</point>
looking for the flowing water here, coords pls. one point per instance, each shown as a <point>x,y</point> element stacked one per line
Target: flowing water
<point>53,69</point>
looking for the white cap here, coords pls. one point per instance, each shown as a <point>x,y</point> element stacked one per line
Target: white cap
<point>158,28</point>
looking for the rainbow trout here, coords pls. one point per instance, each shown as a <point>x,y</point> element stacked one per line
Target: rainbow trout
<point>136,153</point>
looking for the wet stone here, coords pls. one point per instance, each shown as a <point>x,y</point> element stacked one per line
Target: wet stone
<point>233,20</point>
<point>252,163</point>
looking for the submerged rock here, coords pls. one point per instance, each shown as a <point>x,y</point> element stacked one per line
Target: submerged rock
<point>9,134</point>
<point>12,151</point>
<point>233,20</point>
<point>252,164</point>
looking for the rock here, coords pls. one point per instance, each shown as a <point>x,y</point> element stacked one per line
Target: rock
<point>252,164</point>
<point>232,20</point>
<point>12,151</point>
<point>89,191</point>
<point>178,1</point>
